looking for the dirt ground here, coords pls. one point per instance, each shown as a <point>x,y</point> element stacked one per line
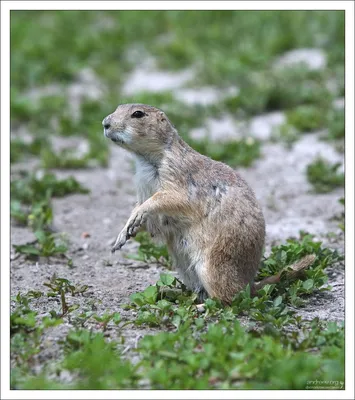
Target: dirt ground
<point>278,179</point>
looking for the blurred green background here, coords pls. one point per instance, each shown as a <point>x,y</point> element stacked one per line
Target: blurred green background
<point>223,49</point>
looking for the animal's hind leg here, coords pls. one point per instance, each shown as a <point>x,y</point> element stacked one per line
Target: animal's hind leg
<point>202,295</point>
<point>223,286</point>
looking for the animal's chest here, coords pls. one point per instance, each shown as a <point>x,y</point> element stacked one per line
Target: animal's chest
<point>158,225</point>
<point>147,180</point>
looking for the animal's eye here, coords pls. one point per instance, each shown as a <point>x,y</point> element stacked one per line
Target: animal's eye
<point>138,114</point>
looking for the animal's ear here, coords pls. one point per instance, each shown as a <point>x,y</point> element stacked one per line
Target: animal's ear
<point>162,116</point>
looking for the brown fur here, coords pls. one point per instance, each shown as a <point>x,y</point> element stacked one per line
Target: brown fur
<point>202,209</point>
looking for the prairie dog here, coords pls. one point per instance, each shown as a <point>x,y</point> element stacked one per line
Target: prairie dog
<point>202,209</point>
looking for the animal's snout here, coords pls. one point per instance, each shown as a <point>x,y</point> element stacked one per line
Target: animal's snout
<point>106,123</point>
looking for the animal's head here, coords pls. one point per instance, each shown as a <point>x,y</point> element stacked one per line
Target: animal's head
<point>140,128</point>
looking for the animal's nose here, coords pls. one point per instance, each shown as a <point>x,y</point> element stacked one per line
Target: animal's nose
<point>106,123</point>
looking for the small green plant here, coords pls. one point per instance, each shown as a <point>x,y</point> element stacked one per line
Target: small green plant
<point>314,277</point>
<point>241,152</point>
<point>97,363</point>
<point>46,245</point>
<point>341,216</point>
<point>336,124</point>
<point>26,329</point>
<point>65,159</point>
<point>150,252</point>
<point>281,89</point>
<point>37,192</point>
<point>60,287</point>
<point>18,213</point>
<point>20,148</point>
<point>37,114</point>
<point>106,318</point>
<point>33,187</point>
<point>285,133</point>
<point>325,176</point>
<point>165,303</point>
<point>307,118</point>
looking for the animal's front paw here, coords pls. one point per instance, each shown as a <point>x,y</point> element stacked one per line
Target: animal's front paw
<point>135,222</point>
<point>120,241</point>
<point>130,230</point>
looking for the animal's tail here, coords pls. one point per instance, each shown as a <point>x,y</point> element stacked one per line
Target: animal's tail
<point>289,273</point>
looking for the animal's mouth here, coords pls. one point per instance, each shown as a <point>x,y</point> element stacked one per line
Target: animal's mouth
<point>117,140</point>
<point>113,137</point>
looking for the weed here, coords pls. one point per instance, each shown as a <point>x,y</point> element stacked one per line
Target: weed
<point>336,125</point>
<point>38,191</point>
<point>149,252</point>
<point>106,318</point>
<point>20,148</point>
<point>324,176</point>
<point>98,364</point>
<point>37,114</point>
<point>26,329</point>
<point>285,133</point>
<point>18,213</point>
<point>286,254</point>
<point>307,118</point>
<point>275,90</point>
<point>65,159</point>
<point>341,217</point>
<point>172,360</point>
<point>46,245</point>
<point>240,152</point>
<point>61,286</point>
<point>33,187</point>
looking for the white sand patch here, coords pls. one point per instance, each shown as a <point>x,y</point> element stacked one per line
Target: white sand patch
<point>339,103</point>
<point>220,129</point>
<point>312,58</point>
<point>280,182</point>
<point>204,96</point>
<point>262,126</point>
<point>228,128</point>
<point>144,79</point>
<point>87,85</point>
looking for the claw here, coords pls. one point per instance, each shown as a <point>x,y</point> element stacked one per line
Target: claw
<point>129,231</point>
<point>119,243</point>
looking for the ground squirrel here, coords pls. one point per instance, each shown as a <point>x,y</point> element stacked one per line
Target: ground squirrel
<point>202,209</point>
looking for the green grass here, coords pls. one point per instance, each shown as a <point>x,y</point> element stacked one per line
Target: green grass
<point>239,152</point>
<point>149,252</point>
<point>307,118</point>
<point>336,125</point>
<point>325,176</point>
<point>217,57</point>
<point>265,91</point>
<point>217,54</point>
